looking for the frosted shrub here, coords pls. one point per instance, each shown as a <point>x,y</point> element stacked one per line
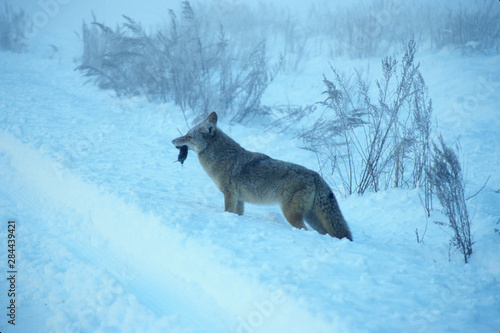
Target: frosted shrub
<point>12,28</point>
<point>191,64</point>
<point>472,30</point>
<point>373,145</point>
<point>448,184</point>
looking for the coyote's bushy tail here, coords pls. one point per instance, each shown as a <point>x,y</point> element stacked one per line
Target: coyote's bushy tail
<point>326,212</point>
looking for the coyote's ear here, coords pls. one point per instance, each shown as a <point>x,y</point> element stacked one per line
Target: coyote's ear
<point>209,124</point>
<point>212,118</point>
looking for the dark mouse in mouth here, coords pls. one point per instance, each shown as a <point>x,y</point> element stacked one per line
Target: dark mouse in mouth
<point>183,153</point>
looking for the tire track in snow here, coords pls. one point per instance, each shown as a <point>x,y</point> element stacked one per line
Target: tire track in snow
<point>165,270</point>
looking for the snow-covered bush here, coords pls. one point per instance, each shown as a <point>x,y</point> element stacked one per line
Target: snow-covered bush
<point>472,30</point>
<point>118,59</point>
<point>373,28</point>
<point>448,184</point>
<point>12,28</point>
<point>191,64</point>
<point>373,145</point>
<point>378,27</point>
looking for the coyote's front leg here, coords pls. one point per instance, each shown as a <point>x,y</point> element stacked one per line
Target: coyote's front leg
<point>233,204</point>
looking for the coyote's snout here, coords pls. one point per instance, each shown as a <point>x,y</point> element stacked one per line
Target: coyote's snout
<point>244,176</point>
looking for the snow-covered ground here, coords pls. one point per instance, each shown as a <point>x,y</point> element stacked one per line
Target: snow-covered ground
<point>111,236</point>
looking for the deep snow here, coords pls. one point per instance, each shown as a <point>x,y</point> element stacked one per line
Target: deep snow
<point>114,237</point>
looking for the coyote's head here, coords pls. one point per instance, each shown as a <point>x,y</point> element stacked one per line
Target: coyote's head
<point>198,137</point>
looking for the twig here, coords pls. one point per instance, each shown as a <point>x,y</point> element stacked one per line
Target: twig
<point>472,196</point>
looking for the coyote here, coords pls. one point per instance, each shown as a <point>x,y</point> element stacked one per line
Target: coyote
<point>244,176</point>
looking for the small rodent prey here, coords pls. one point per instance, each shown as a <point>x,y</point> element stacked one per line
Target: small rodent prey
<point>183,153</point>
